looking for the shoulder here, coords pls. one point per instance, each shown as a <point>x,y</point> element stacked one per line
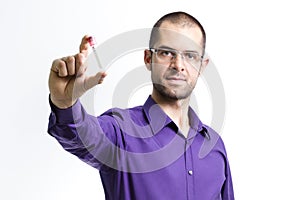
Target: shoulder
<point>126,116</point>
<point>213,142</point>
<point>120,113</point>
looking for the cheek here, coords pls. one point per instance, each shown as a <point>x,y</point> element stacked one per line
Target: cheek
<point>158,70</point>
<point>194,78</point>
<point>156,75</point>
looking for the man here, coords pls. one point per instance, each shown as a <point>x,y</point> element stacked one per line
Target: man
<point>150,151</point>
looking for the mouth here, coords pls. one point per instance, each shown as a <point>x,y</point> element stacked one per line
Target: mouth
<point>175,80</point>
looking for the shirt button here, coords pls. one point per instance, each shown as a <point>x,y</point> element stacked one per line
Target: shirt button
<point>190,172</point>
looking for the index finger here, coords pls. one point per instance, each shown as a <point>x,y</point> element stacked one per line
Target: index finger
<point>84,46</point>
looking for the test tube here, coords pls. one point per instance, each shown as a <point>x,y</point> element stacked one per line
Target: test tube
<point>92,43</point>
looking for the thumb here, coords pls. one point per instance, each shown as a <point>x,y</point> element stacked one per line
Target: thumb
<point>91,81</point>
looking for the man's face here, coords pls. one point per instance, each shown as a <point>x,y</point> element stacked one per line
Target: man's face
<point>175,78</point>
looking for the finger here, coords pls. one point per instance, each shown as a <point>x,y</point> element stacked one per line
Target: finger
<point>54,66</point>
<point>94,80</point>
<point>59,66</point>
<point>80,66</point>
<point>70,65</point>
<point>84,46</point>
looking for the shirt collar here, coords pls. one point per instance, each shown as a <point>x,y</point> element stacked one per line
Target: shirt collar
<point>195,122</point>
<point>158,119</point>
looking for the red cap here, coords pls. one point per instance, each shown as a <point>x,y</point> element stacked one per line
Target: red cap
<point>91,41</point>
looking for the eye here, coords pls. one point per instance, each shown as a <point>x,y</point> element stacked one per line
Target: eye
<point>165,53</point>
<point>191,56</point>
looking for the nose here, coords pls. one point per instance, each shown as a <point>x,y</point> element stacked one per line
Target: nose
<point>178,63</point>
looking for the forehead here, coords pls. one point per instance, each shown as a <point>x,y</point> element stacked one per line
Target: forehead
<point>179,37</point>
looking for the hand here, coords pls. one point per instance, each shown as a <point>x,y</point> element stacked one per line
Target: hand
<point>67,79</point>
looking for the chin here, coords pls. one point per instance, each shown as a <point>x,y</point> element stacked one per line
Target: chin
<point>173,94</point>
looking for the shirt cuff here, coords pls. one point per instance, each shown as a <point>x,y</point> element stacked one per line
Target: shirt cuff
<point>67,115</point>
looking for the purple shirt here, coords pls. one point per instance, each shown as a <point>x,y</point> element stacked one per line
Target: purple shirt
<point>141,154</point>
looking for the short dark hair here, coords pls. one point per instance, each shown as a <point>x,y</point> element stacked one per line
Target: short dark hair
<point>180,18</point>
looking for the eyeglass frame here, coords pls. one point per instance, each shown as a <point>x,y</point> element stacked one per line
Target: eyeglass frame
<point>177,52</point>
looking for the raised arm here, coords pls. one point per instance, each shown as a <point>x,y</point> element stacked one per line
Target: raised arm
<point>89,138</point>
<point>67,79</point>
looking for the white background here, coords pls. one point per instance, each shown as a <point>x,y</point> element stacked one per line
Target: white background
<point>254,44</point>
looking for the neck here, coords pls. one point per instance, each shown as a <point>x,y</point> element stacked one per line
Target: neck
<point>176,109</point>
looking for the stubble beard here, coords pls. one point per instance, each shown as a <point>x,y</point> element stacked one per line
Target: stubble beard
<point>172,94</point>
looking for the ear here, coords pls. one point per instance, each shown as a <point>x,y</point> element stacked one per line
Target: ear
<point>204,63</point>
<point>147,58</point>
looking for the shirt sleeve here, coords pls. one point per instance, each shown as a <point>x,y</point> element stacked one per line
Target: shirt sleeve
<point>215,142</point>
<point>91,139</point>
<point>227,189</point>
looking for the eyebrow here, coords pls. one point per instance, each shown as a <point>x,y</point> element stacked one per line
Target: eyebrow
<point>167,47</point>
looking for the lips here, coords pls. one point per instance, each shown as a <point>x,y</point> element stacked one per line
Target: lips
<point>175,81</point>
<point>175,78</point>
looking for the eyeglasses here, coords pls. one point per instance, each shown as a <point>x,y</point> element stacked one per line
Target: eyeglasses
<point>167,55</point>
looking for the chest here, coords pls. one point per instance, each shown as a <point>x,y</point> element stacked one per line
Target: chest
<point>175,169</point>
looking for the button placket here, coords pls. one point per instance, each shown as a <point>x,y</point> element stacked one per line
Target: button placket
<point>189,168</point>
